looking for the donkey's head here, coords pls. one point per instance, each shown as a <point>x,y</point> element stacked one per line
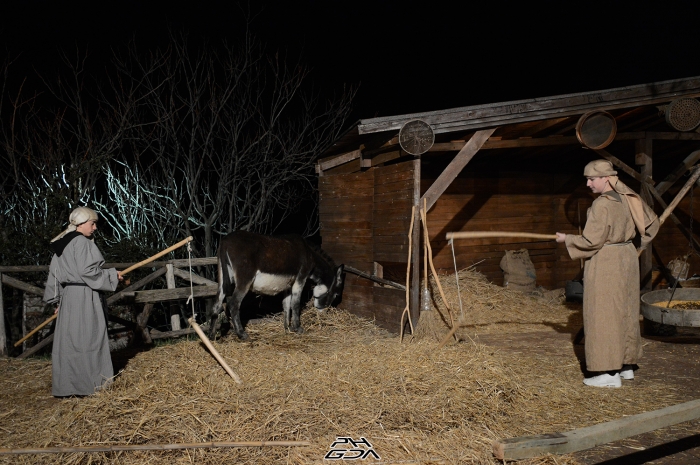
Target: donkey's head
<point>329,286</point>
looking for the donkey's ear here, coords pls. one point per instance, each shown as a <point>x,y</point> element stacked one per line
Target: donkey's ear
<point>339,273</point>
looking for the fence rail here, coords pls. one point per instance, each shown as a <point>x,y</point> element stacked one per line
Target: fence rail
<point>201,287</point>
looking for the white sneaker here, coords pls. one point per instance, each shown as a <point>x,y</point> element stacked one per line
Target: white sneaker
<point>627,374</point>
<point>604,380</point>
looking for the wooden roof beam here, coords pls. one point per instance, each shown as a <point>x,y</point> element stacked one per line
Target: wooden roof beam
<point>499,114</point>
<point>543,126</point>
<point>624,167</point>
<point>337,160</point>
<point>465,155</point>
<point>494,143</point>
<point>684,166</point>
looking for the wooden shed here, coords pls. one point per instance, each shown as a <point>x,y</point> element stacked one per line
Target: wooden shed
<point>513,166</point>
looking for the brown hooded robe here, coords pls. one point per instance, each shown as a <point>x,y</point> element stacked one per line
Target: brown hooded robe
<point>611,278</point>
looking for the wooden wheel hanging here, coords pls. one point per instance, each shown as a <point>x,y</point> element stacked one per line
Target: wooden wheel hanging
<point>683,114</point>
<point>416,137</point>
<point>596,129</point>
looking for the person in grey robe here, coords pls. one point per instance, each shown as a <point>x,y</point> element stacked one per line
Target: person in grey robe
<point>80,358</point>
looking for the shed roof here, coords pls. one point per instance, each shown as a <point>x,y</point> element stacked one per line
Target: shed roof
<point>636,109</point>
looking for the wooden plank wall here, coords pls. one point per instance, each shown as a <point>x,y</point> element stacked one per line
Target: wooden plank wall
<point>395,192</point>
<point>365,218</point>
<point>536,203</point>
<point>346,212</point>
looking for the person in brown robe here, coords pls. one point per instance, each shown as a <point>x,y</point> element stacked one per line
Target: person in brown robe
<point>81,362</point>
<point>611,274</point>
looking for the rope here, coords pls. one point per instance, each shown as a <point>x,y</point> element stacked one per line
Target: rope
<point>459,294</point>
<point>191,297</point>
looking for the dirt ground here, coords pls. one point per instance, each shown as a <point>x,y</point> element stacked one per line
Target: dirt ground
<point>673,361</point>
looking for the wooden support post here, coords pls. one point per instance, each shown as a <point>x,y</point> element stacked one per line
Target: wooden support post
<point>3,336</point>
<point>624,166</point>
<point>585,438</point>
<point>142,322</point>
<point>415,281</point>
<point>679,171</point>
<point>456,166</point>
<point>174,306</point>
<point>644,161</point>
<point>674,218</point>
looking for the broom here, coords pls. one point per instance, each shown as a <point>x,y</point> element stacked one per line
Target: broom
<point>431,324</point>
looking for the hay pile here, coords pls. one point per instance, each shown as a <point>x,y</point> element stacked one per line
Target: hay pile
<point>342,377</point>
<point>487,307</point>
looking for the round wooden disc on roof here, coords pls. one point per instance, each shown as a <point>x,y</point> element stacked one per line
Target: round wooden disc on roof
<point>683,114</point>
<point>416,137</point>
<point>596,129</point>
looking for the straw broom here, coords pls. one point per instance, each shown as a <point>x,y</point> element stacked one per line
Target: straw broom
<point>431,324</point>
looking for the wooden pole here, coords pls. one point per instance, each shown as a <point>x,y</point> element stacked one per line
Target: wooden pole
<point>131,268</point>
<point>3,337</point>
<point>213,351</point>
<point>157,256</point>
<point>681,193</point>
<point>35,330</point>
<point>489,234</point>
<point>591,436</point>
<point>132,447</point>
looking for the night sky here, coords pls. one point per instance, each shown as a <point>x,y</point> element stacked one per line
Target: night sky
<point>405,59</point>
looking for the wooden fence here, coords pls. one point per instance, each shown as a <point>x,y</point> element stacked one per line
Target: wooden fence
<point>201,287</point>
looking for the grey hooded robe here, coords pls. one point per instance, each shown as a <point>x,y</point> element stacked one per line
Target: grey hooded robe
<point>80,357</point>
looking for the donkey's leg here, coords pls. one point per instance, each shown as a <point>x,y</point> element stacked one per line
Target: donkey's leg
<point>287,306</point>
<point>233,305</point>
<point>295,323</point>
<point>225,285</point>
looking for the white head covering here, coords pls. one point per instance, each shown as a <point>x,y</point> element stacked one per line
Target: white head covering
<point>77,217</point>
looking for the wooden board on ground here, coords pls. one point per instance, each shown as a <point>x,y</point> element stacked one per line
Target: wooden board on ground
<point>591,436</point>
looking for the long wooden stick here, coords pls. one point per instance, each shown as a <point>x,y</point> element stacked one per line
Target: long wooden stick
<point>157,256</point>
<point>681,193</point>
<point>213,351</point>
<point>35,330</point>
<point>130,447</point>
<point>488,234</point>
<point>131,268</point>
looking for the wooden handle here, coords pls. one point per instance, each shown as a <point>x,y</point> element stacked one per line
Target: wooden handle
<point>487,234</point>
<point>33,331</point>
<point>157,256</point>
<point>131,268</point>
<point>213,351</point>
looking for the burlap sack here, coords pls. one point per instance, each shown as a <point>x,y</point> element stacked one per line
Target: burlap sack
<point>518,271</point>
<point>679,268</point>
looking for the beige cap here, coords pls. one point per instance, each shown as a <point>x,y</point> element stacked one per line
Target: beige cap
<point>598,168</point>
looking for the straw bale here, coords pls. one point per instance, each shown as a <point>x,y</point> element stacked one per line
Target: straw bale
<point>486,307</point>
<point>343,377</point>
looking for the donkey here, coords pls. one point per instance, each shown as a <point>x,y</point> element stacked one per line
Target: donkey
<point>271,265</point>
